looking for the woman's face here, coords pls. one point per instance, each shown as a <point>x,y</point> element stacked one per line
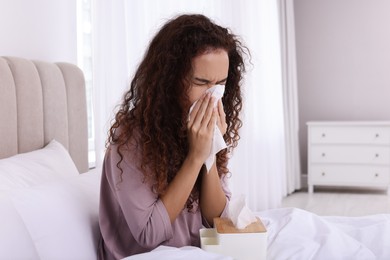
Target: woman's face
<point>209,69</point>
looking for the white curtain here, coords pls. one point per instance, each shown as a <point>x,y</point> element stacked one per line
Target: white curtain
<point>258,165</point>
<point>290,95</point>
<point>124,28</point>
<point>110,66</point>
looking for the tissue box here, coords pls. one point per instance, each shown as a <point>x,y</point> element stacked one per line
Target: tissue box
<point>241,244</point>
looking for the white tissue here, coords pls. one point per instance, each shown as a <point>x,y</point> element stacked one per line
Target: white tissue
<point>239,213</point>
<point>218,141</point>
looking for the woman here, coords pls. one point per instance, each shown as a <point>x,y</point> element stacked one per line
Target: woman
<point>155,189</point>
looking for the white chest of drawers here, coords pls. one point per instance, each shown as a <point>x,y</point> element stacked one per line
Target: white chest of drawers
<point>349,154</point>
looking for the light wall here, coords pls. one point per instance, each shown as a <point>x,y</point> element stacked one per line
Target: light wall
<point>343,62</point>
<point>39,29</point>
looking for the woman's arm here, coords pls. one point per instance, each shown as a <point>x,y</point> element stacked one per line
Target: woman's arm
<point>212,196</point>
<point>178,191</point>
<point>200,132</point>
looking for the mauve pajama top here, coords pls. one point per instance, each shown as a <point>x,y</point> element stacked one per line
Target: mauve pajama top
<point>132,218</point>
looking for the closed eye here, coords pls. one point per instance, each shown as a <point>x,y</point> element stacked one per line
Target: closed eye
<point>222,82</point>
<point>199,83</point>
<point>203,82</point>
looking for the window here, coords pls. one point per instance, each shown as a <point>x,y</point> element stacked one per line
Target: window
<point>84,61</point>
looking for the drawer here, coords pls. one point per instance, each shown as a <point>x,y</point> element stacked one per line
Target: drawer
<point>349,134</point>
<point>349,175</point>
<point>349,154</point>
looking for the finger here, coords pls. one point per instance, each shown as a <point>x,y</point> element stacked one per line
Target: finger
<point>209,111</point>
<point>221,112</point>
<point>196,109</point>
<point>202,109</point>
<point>213,120</point>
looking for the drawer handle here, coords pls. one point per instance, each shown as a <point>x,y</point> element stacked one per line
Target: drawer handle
<point>323,135</point>
<point>376,175</point>
<point>376,135</point>
<point>323,154</point>
<point>323,174</point>
<point>376,155</point>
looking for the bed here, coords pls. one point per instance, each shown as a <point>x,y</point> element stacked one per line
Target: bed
<point>48,209</point>
<point>49,198</point>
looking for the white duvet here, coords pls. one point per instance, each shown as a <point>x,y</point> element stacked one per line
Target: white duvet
<point>298,234</point>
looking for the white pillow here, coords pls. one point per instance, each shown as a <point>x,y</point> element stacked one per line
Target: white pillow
<point>28,169</point>
<point>48,210</point>
<point>61,216</point>
<point>15,240</point>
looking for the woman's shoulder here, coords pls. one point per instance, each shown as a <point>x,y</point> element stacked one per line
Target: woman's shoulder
<point>128,147</point>
<point>123,161</point>
<point>125,138</point>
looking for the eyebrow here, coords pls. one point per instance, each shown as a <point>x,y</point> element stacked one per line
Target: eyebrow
<point>208,81</point>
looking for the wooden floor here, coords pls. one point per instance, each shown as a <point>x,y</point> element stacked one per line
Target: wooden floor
<point>340,202</point>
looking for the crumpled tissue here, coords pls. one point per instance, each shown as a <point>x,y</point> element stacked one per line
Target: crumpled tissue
<point>218,141</point>
<point>239,213</point>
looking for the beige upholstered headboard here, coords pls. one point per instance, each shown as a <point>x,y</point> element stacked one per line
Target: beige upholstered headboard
<point>41,101</point>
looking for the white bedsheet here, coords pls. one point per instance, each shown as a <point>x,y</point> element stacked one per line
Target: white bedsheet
<point>172,253</point>
<point>298,234</point>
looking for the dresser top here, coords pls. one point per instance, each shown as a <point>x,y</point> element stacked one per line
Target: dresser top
<point>348,123</point>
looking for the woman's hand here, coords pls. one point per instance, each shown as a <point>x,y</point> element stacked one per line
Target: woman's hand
<point>200,126</point>
<point>221,119</point>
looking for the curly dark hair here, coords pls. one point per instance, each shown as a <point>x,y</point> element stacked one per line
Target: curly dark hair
<point>155,108</point>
